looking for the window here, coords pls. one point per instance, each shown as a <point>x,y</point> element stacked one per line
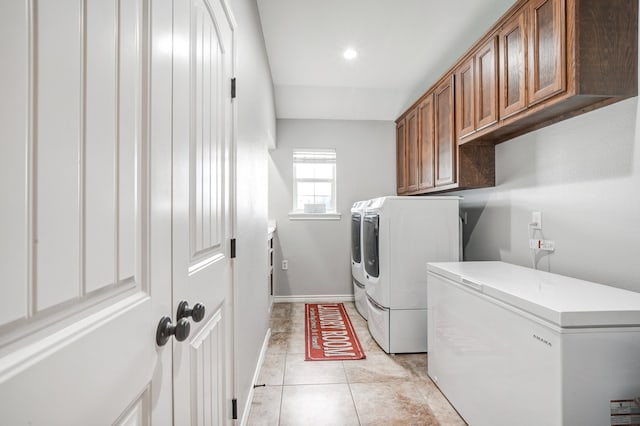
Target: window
<point>314,183</point>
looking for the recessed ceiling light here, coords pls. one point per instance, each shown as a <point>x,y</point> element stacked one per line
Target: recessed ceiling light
<point>350,54</point>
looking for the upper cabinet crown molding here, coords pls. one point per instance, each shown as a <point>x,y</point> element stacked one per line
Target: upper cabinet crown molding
<point>542,62</point>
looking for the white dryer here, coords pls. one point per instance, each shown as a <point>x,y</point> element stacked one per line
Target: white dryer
<point>399,236</point>
<point>357,270</point>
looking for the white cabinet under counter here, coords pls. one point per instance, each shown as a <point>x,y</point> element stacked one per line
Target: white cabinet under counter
<point>512,345</point>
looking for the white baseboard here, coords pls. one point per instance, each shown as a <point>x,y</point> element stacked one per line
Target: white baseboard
<point>256,374</point>
<point>324,298</point>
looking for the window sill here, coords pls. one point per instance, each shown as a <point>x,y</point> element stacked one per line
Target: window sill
<point>314,216</point>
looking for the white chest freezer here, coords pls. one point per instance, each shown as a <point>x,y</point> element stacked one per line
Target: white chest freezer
<point>512,345</point>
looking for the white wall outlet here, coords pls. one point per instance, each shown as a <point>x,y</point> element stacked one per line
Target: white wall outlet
<point>285,265</point>
<point>536,220</point>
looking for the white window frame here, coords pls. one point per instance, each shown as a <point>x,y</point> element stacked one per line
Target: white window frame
<point>314,155</point>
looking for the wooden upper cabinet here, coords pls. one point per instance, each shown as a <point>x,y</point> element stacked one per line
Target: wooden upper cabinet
<point>465,98</point>
<point>477,90</point>
<point>542,62</point>
<point>513,65</point>
<point>401,185</point>
<point>411,148</point>
<point>426,136</point>
<point>486,86</point>
<point>445,141</point>
<point>547,41</point>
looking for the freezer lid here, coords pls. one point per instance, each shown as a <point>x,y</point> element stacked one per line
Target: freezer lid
<point>561,300</point>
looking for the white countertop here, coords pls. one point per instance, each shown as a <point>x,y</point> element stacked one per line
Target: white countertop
<point>565,301</point>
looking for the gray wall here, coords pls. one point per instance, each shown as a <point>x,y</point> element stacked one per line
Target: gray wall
<point>583,174</point>
<point>255,131</point>
<point>318,251</point>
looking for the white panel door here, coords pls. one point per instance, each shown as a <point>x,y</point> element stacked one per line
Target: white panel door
<point>203,149</point>
<point>85,181</point>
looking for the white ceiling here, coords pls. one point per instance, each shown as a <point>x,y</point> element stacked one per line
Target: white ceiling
<point>403,47</point>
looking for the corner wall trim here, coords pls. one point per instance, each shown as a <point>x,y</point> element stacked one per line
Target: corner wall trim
<point>256,374</point>
<point>320,298</point>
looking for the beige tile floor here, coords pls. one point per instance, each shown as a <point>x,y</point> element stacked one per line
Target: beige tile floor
<point>379,390</point>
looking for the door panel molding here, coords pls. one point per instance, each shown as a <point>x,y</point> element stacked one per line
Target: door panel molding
<point>15,159</point>
<point>56,358</point>
<point>79,307</point>
<point>207,372</point>
<point>76,154</point>
<point>139,413</point>
<point>197,266</point>
<point>30,354</point>
<point>58,317</point>
<point>207,131</point>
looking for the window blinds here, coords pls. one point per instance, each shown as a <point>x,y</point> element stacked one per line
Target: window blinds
<point>314,156</point>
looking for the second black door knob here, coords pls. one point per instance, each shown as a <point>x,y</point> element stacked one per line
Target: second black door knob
<point>184,311</point>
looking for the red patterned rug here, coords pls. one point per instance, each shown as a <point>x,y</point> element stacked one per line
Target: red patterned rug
<point>329,334</point>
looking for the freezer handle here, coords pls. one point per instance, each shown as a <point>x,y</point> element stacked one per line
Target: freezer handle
<point>456,279</point>
<point>471,284</point>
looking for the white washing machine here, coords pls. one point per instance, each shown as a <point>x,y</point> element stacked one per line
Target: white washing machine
<point>357,270</point>
<point>399,236</point>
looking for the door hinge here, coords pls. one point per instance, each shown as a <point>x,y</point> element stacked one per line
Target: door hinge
<point>234,409</point>
<point>233,88</point>
<point>233,248</point>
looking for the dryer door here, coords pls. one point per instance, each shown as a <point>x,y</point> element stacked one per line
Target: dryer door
<point>356,252</point>
<point>370,242</point>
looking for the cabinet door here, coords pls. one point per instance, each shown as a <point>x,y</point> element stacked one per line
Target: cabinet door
<point>401,185</point>
<point>465,103</point>
<point>546,49</point>
<point>425,126</point>
<point>412,151</point>
<point>513,65</point>
<point>486,110</point>
<point>445,142</point>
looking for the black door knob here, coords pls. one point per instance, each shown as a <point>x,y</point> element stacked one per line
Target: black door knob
<point>166,329</point>
<point>184,311</point>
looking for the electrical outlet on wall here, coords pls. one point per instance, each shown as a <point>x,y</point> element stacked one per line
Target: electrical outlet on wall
<point>285,265</point>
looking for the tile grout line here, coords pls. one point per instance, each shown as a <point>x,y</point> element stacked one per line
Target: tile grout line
<point>284,373</point>
<point>281,398</point>
<point>353,400</point>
